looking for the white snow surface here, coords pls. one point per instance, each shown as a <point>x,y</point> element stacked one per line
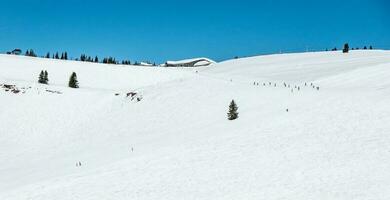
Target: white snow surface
<point>176,143</point>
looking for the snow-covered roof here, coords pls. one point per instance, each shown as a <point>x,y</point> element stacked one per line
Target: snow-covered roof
<point>145,64</point>
<point>194,61</point>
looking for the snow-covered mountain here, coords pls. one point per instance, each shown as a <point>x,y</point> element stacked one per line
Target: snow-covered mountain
<point>162,133</point>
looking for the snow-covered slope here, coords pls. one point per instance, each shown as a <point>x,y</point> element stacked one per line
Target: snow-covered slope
<point>176,143</point>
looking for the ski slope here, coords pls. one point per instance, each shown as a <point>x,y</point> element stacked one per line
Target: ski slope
<point>176,142</point>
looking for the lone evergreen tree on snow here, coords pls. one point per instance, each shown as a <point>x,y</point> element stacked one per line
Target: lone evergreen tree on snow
<point>346,48</point>
<point>41,78</point>
<point>73,83</point>
<point>232,114</point>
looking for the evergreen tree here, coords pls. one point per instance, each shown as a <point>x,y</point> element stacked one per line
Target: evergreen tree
<point>48,55</point>
<point>31,53</point>
<point>46,77</point>
<point>232,114</point>
<point>73,83</point>
<point>41,78</point>
<point>66,55</point>
<point>371,47</point>
<point>365,47</point>
<point>96,59</point>
<point>346,48</point>
<point>56,56</point>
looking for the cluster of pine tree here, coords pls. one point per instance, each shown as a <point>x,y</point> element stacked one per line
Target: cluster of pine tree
<point>43,77</point>
<point>109,60</point>
<point>31,53</point>
<point>126,62</point>
<point>64,55</point>
<point>85,58</point>
<point>365,48</point>
<point>346,48</point>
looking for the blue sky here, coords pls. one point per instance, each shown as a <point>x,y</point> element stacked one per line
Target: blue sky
<point>177,29</point>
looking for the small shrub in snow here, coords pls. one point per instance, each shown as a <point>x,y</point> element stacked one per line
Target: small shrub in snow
<point>232,114</point>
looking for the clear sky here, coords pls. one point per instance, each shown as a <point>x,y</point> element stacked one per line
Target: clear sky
<point>160,30</point>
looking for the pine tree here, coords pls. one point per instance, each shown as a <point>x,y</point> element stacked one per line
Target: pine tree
<point>82,57</point>
<point>41,78</point>
<point>48,55</point>
<point>371,47</point>
<point>346,48</point>
<point>46,77</point>
<point>66,55</point>
<point>73,83</point>
<point>232,114</point>
<point>96,59</point>
<point>56,56</point>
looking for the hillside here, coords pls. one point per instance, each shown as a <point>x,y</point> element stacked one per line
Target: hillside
<point>175,142</point>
